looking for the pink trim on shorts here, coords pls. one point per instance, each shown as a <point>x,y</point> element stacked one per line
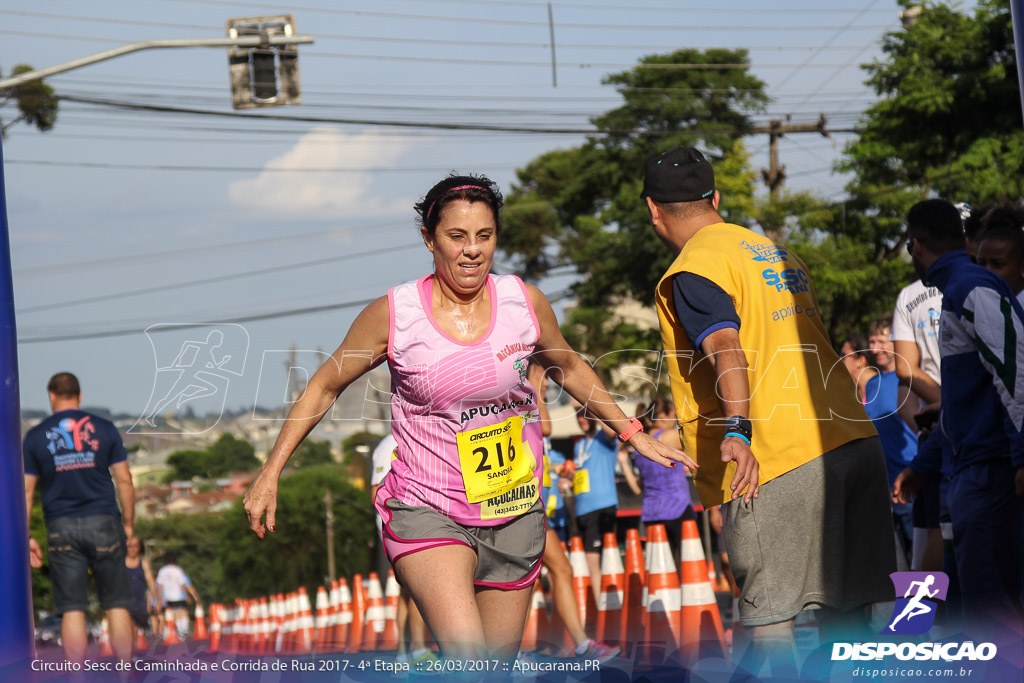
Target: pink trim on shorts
<point>529,305</point>
<point>391,325</point>
<point>516,585</point>
<point>395,545</point>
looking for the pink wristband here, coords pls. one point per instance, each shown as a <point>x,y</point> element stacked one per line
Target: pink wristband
<point>634,427</point>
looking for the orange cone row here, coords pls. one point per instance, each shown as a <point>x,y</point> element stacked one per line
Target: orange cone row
<point>643,604</point>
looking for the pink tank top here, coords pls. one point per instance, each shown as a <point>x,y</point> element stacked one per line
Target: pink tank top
<point>464,415</point>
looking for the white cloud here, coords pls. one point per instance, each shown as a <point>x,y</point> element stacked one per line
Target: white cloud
<point>321,194</point>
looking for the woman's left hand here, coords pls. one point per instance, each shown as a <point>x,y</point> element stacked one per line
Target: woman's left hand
<point>656,451</point>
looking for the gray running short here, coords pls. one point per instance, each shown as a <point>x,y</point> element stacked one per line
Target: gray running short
<point>508,555</point>
<point>818,536</point>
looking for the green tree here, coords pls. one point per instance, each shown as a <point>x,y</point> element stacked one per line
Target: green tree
<point>580,207</point>
<point>949,118</point>
<point>229,454</point>
<point>186,464</point>
<point>37,104</point>
<point>311,453</point>
<point>947,122</point>
<point>296,554</point>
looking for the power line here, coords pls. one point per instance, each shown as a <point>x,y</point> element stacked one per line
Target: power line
<point>378,122</point>
<point>247,169</point>
<point>427,17</point>
<point>420,41</point>
<point>242,319</point>
<point>219,278</point>
<point>206,249</point>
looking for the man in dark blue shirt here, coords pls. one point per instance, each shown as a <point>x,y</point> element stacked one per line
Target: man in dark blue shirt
<point>70,455</point>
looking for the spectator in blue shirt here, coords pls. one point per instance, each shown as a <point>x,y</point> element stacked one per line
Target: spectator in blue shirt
<point>885,400</point>
<point>595,454</point>
<point>70,456</point>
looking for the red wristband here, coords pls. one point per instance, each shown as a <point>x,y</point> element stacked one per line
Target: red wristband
<point>634,427</point>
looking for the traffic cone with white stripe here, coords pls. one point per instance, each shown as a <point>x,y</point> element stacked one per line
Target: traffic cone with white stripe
<point>633,603</point>
<point>105,649</point>
<point>305,626</point>
<point>701,621</point>
<point>537,627</point>
<point>344,623</point>
<point>663,599</point>
<point>200,632</point>
<point>374,624</point>
<point>141,644</point>
<point>581,582</point>
<point>355,631</point>
<point>323,607</point>
<point>171,629</point>
<point>612,597</point>
<point>389,637</point>
<point>216,610</point>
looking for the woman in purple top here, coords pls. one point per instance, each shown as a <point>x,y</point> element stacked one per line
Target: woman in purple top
<point>666,492</point>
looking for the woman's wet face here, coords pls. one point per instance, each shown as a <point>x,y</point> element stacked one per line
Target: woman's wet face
<point>463,244</point>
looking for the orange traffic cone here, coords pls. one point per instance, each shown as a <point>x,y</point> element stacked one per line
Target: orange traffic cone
<point>201,632</point>
<point>581,582</point>
<point>344,623</point>
<point>171,630</point>
<point>663,598</point>
<point>323,606</point>
<point>275,624</point>
<point>105,649</point>
<point>355,631</point>
<point>701,621</point>
<point>261,626</point>
<point>215,628</point>
<point>332,618</point>
<point>227,636</point>
<point>374,624</point>
<point>609,606</point>
<point>389,637</point>
<point>305,625</point>
<point>141,645</point>
<point>536,621</point>
<point>633,603</point>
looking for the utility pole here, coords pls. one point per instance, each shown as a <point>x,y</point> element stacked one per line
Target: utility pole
<point>775,174</point>
<point>329,508</point>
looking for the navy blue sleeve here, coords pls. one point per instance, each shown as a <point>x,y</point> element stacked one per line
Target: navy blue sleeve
<point>26,453</point>
<point>702,307</point>
<point>118,453</point>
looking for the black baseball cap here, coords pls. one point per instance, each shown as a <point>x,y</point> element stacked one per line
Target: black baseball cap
<point>681,174</point>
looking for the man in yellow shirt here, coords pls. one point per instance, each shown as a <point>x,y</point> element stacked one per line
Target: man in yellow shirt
<point>771,415</point>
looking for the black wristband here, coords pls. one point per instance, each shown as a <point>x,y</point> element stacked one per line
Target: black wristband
<point>741,426</point>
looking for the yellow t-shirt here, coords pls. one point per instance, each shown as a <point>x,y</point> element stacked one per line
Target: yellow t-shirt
<point>803,402</point>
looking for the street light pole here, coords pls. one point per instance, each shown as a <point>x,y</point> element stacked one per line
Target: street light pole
<point>243,41</point>
<point>329,506</point>
<point>16,633</point>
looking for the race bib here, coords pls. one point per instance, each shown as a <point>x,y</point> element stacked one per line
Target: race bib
<point>546,478</point>
<point>495,460</point>
<point>580,482</point>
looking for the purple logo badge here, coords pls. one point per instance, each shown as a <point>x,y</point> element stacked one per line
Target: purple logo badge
<point>917,598</point>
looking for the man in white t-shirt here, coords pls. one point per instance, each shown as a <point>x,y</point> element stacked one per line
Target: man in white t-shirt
<point>176,588</point>
<point>915,337</point>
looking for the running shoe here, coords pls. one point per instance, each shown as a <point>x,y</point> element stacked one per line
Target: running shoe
<point>599,651</point>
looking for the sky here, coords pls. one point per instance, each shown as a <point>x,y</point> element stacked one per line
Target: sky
<point>126,220</point>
